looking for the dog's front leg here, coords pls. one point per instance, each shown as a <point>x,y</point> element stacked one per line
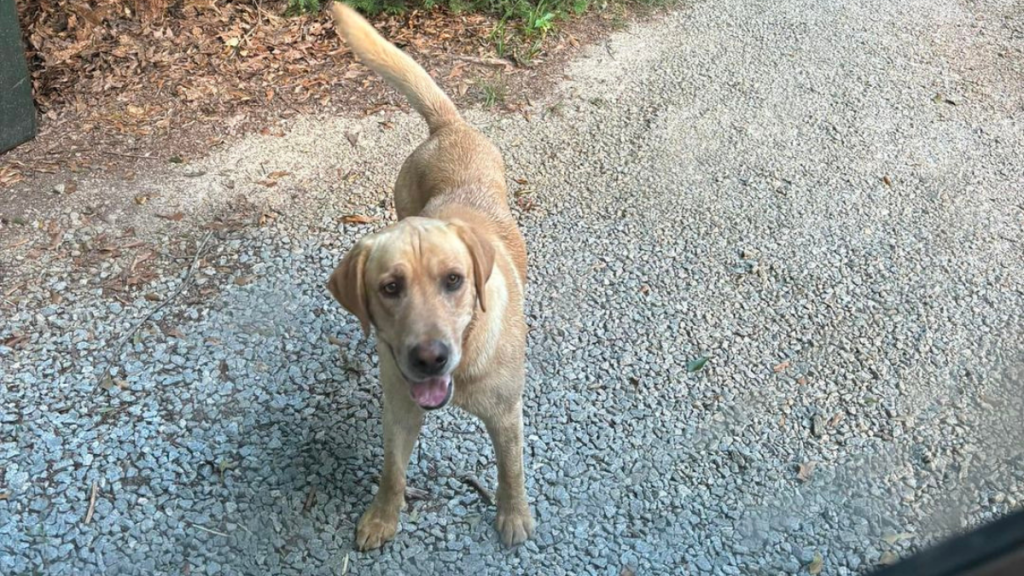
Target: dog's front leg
<point>402,422</point>
<point>515,524</point>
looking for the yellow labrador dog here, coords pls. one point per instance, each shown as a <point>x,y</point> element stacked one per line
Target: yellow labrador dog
<point>444,289</point>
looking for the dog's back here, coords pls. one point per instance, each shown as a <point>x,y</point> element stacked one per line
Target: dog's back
<point>457,171</point>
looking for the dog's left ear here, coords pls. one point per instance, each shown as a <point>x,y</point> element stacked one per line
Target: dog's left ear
<point>348,283</point>
<point>482,252</point>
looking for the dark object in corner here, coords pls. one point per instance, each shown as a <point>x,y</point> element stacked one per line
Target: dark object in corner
<point>996,549</point>
<point>17,113</point>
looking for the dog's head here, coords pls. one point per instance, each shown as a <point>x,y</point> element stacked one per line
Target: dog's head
<point>418,283</point>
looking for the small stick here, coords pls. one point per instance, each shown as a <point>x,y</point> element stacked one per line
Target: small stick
<point>181,287</point>
<point>13,290</point>
<point>487,61</point>
<point>310,500</point>
<point>92,503</point>
<point>416,494</point>
<point>475,484</point>
<point>125,155</point>
<point>211,531</point>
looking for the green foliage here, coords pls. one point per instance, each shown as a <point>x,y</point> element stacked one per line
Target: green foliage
<point>533,17</point>
<point>523,23</point>
<point>297,7</point>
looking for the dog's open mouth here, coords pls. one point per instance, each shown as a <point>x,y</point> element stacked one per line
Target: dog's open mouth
<point>432,393</point>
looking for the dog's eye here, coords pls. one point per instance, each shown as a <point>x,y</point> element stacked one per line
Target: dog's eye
<point>391,289</point>
<point>453,282</point>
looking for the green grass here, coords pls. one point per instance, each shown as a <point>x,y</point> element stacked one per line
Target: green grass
<point>523,24</point>
<point>296,7</point>
<point>534,18</point>
<point>493,91</point>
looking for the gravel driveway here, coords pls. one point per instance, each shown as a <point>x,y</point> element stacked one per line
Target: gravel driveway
<point>823,198</point>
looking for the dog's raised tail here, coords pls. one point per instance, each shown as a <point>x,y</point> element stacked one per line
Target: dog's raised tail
<point>401,71</point>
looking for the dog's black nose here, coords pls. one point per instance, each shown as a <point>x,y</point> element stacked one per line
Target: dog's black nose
<point>429,358</point>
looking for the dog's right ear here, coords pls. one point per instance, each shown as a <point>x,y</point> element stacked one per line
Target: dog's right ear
<point>348,283</point>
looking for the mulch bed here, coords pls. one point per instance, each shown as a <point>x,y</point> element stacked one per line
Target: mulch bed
<point>113,86</point>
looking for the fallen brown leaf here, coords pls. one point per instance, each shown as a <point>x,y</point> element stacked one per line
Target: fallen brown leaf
<point>55,240</point>
<point>278,174</point>
<point>817,563</point>
<point>172,332</point>
<point>353,138</point>
<point>15,340</point>
<point>357,219</point>
<point>386,125</point>
<point>4,495</point>
<point>153,297</point>
<point>806,470</point>
<point>781,366</point>
<point>268,183</point>
<point>9,175</point>
<point>243,280</point>
<point>526,203</point>
<point>176,217</point>
<point>887,181</point>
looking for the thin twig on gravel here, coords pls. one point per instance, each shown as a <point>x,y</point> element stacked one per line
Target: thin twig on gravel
<point>209,530</point>
<point>181,287</point>
<point>92,503</point>
<point>475,484</point>
<point>126,155</point>
<point>310,500</point>
<point>416,494</point>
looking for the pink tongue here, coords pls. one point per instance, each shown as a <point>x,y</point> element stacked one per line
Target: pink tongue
<point>432,392</point>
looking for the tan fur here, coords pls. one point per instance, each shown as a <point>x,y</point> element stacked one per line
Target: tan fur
<point>454,218</point>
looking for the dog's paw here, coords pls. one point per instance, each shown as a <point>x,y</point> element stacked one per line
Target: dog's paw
<point>375,528</point>
<point>515,525</point>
